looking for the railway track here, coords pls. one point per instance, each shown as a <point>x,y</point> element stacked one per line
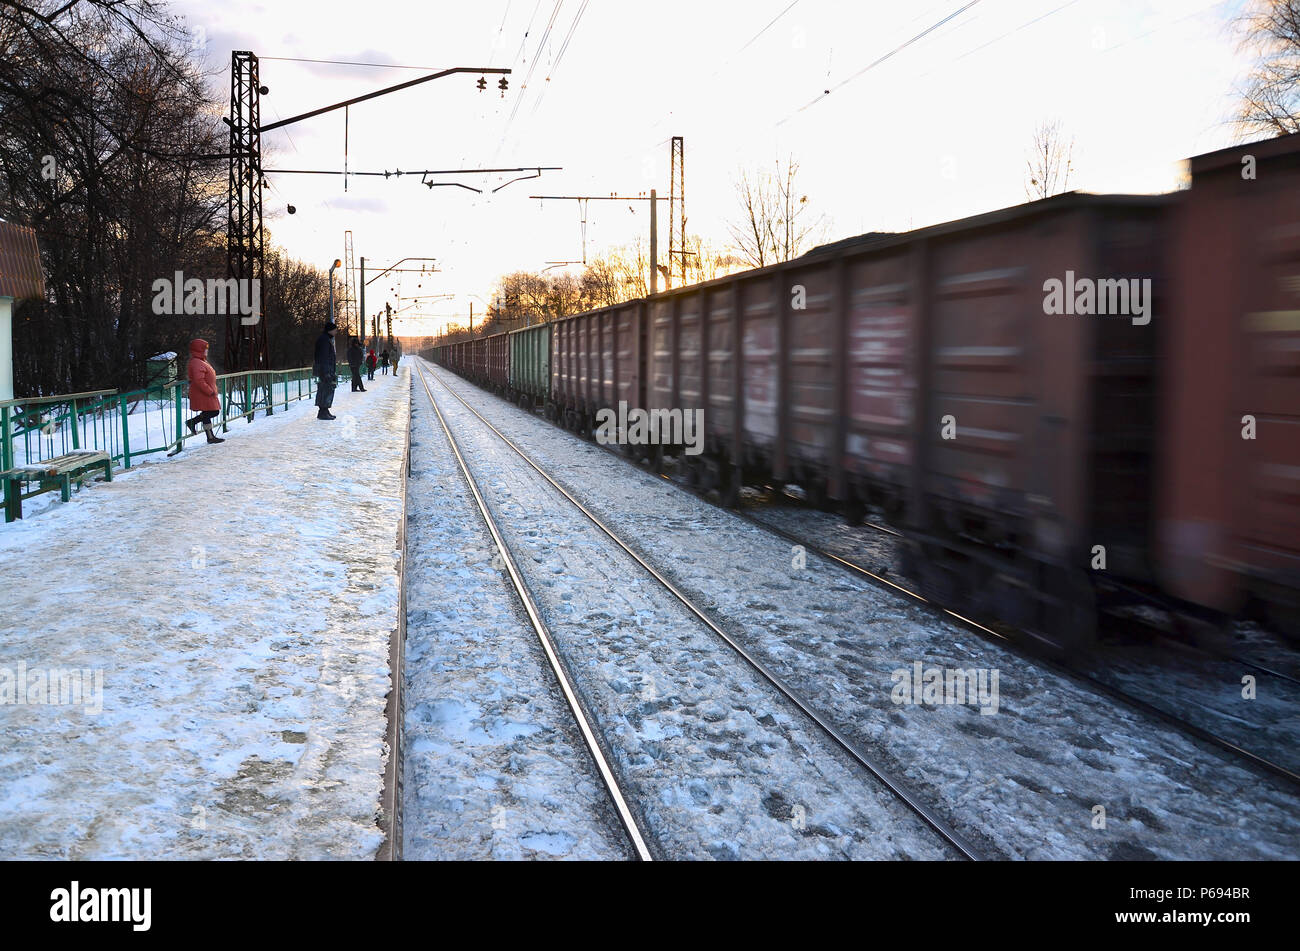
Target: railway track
<point>1006,638</point>
<point>636,835</point>
<point>1262,763</point>
<point>936,823</point>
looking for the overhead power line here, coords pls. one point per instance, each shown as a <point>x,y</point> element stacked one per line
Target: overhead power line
<point>874,63</point>
<point>559,57</point>
<point>769,26</point>
<point>343,62</point>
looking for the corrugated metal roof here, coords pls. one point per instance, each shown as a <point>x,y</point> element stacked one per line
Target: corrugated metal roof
<point>21,275</point>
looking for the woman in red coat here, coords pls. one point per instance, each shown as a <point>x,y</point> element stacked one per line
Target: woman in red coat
<point>204,396</point>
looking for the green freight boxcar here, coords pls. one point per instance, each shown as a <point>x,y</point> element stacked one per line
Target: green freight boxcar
<point>530,365</point>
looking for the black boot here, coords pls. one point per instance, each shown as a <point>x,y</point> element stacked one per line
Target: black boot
<point>192,424</point>
<point>325,414</point>
<point>207,428</point>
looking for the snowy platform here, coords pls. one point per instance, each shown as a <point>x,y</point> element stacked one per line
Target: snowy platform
<point>196,665</point>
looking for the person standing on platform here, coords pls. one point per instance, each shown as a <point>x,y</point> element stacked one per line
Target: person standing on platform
<point>204,395</point>
<point>371,360</point>
<point>355,356</point>
<point>383,362</point>
<point>326,369</point>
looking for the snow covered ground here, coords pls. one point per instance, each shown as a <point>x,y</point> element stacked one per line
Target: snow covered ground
<point>493,763</point>
<point>235,603</point>
<point>1205,691</point>
<point>1030,781</point>
<point>719,764</point>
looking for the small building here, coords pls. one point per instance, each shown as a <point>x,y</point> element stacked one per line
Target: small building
<point>21,277</point>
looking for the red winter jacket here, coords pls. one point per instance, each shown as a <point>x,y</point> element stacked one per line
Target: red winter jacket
<point>203,379</point>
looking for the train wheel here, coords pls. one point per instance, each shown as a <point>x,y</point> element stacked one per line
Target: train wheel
<point>815,492</point>
<point>733,480</point>
<point>1069,610</point>
<point>937,582</point>
<point>1004,600</point>
<point>909,562</point>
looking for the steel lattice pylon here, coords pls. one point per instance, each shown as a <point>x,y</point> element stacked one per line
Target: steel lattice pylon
<point>246,346</point>
<point>349,302</point>
<point>677,209</point>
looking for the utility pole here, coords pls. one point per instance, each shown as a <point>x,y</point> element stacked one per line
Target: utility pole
<point>363,291</point>
<point>677,209</point>
<point>654,244</point>
<point>246,344</point>
<point>350,289</point>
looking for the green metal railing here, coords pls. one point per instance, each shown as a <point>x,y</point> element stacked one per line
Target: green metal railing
<point>130,425</point>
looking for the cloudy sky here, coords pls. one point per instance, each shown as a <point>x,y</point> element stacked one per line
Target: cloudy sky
<point>937,130</point>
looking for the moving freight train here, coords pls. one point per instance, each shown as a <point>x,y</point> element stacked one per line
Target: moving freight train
<point>1063,406</point>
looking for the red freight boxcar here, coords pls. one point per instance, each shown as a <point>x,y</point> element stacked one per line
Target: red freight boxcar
<point>596,364</point>
<point>924,372</point>
<point>1229,477</point>
<point>475,360</point>
<point>497,362</point>
<point>1050,449</point>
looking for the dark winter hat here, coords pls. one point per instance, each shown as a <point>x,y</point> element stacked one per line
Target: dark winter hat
<point>330,325</point>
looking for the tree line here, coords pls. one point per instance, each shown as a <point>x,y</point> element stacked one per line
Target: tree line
<point>112,149</point>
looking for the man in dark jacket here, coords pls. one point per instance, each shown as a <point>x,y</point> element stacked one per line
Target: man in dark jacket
<point>355,355</point>
<point>325,369</point>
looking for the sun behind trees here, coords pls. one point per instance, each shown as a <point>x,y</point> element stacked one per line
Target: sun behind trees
<point>616,275</point>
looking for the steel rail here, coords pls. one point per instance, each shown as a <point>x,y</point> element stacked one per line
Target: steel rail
<point>625,814</point>
<point>945,831</point>
<point>975,627</point>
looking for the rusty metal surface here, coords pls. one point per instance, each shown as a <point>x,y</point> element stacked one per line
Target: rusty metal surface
<point>597,359</point>
<point>1229,507</point>
<point>839,352</point>
<point>497,357</point>
<point>21,275</point>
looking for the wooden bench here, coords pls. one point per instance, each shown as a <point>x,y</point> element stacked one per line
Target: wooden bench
<point>50,474</point>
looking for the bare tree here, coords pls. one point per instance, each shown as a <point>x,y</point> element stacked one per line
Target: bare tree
<point>105,117</point>
<point>1050,162</point>
<point>776,221</point>
<point>1270,98</point>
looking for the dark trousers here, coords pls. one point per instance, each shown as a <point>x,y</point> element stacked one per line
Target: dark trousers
<point>371,374</point>
<point>325,392</point>
<point>356,379</point>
